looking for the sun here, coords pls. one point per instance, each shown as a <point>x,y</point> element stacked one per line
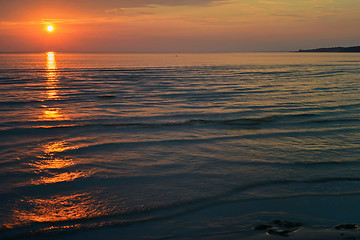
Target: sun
<point>50,28</point>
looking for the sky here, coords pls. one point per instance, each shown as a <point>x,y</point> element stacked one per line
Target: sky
<point>177,25</point>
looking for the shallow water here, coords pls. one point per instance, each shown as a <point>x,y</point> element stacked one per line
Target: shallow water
<point>119,142</point>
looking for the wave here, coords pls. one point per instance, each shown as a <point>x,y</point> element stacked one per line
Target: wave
<point>22,102</point>
<point>164,212</point>
<point>152,122</point>
<point>280,125</point>
<point>229,70</point>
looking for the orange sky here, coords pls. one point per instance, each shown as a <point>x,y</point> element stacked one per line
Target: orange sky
<point>177,25</point>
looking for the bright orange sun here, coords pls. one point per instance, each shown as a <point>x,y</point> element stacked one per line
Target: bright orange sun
<point>50,28</point>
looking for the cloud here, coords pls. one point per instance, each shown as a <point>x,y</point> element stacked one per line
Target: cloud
<point>20,9</point>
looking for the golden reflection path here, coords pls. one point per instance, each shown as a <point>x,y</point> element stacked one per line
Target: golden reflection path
<point>47,164</point>
<point>59,208</point>
<point>52,92</point>
<point>52,165</point>
<point>53,168</point>
<point>52,80</point>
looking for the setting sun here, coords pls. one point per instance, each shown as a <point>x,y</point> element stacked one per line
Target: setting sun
<point>50,28</point>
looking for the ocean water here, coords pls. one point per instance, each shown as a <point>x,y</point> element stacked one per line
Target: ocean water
<point>187,146</point>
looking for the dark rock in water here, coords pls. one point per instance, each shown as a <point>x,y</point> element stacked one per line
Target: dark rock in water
<point>287,224</point>
<point>262,227</point>
<point>106,97</point>
<point>280,232</point>
<point>347,226</point>
<point>280,227</point>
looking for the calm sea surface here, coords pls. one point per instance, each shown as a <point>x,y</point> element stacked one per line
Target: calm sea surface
<point>179,146</point>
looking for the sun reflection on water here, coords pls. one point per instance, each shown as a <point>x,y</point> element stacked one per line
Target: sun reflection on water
<point>61,177</point>
<point>54,169</point>
<point>52,92</point>
<point>53,114</point>
<point>51,76</point>
<point>51,64</point>
<point>48,161</point>
<point>58,146</point>
<point>51,164</point>
<point>61,208</point>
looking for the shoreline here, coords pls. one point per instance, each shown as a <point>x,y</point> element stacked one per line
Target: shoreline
<point>353,49</point>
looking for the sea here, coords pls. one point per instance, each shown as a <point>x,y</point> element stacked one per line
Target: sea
<point>178,146</point>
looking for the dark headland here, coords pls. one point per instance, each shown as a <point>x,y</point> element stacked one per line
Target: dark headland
<point>333,49</point>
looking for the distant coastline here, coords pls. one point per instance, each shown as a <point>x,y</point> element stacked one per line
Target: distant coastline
<point>333,49</point>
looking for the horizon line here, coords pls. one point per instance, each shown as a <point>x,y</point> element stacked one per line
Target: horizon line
<point>145,52</point>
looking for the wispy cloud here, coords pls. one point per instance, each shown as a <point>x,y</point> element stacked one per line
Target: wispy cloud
<point>15,9</point>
